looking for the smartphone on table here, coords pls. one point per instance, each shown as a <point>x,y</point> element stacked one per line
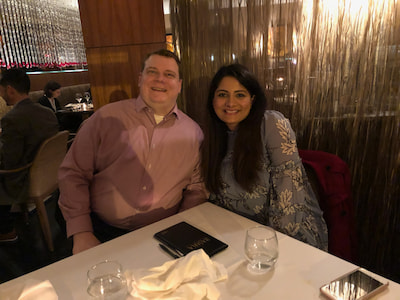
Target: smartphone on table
<point>355,285</point>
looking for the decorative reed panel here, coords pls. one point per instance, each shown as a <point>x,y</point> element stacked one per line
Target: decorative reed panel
<point>44,34</point>
<point>333,68</point>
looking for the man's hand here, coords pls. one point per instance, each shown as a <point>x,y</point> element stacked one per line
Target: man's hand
<point>84,241</point>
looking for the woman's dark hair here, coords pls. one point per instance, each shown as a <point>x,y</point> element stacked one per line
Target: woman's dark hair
<point>50,87</point>
<point>248,148</point>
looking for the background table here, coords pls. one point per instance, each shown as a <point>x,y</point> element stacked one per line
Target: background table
<point>298,274</point>
<point>71,119</point>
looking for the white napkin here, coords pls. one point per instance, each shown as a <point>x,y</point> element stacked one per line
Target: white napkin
<point>31,290</point>
<point>38,290</point>
<point>189,277</point>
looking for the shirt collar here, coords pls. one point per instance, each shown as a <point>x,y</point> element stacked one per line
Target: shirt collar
<point>22,101</point>
<point>141,105</point>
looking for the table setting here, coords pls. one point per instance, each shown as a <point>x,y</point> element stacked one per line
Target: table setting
<point>257,264</point>
<point>79,106</point>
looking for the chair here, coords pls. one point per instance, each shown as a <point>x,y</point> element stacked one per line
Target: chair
<point>43,180</point>
<point>329,177</point>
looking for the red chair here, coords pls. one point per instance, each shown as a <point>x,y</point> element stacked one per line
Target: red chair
<point>330,178</point>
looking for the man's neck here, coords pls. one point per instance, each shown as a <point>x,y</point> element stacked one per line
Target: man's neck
<point>160,110</point>
<point>19,98</point>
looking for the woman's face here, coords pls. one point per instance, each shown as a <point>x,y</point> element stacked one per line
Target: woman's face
<point>56,93</point>
<point>232,102</point>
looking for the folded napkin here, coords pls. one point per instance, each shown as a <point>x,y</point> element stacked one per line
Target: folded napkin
<point>189,277</point>
<point>71,104</point>
<point>31,290</point>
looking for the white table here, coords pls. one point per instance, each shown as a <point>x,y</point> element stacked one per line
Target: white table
<point>298,274</point>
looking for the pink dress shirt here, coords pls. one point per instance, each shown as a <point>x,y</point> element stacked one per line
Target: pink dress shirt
<point>129,170</point>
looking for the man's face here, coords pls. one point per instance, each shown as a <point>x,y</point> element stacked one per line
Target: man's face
<point>160,84</point>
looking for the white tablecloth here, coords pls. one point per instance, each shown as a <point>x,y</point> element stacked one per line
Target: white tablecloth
<point>299,272</point>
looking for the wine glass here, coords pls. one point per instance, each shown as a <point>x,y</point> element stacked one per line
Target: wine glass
<point>78,97</point>
<point>86,95</point>
<point>107,281</point>
<point>261,249</point>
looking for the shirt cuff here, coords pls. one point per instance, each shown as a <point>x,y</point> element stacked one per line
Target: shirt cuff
<point>79,224</point>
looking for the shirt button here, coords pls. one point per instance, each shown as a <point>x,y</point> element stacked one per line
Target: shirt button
<point>154,145</point>
<point>144,188</point>
<point>149,166</point>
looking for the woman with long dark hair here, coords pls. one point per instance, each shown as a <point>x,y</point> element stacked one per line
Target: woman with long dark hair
<point>250,161</point>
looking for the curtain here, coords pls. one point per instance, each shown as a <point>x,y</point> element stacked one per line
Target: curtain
<point>41,34</point>
<point>333,68</point>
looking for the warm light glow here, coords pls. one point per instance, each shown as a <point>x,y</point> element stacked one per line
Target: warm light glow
<point>339,18</point>
<point>259,44</point>
<point>356,7</point>
<point>294,39</point>
<point>270,47</point>
<point>308,7</point>
<point>350,8</point>
<point>353,8</point>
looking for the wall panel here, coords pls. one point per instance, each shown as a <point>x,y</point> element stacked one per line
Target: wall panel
<point>122,22</point>
<point>39,80</point>
<point>114,71</point>
<point>117,36</point>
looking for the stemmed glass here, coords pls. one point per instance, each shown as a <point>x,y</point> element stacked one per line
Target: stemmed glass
<point>78,98</point>
<point>86,95</point>
<point>261,249</point>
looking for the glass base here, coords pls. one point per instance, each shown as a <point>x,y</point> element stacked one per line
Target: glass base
<point>259,268</point>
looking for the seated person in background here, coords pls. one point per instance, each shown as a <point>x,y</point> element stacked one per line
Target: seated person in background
<point>133,162</point>
<point>250,161</point>
<point>51,92</point>
<point>24,128</point>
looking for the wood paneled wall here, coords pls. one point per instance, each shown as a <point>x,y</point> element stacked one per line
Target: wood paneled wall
<point>117,36</point>
<point>39,80</point>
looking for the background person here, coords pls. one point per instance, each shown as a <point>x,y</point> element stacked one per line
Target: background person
<point>133,162</point>
<point>250,161</point>
<point>24,128</point>
<point>52,90</point>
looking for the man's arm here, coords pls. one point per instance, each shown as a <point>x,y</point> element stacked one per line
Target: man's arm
<point>75,175</point>
<point>83,241</point>
<point>195,193</point>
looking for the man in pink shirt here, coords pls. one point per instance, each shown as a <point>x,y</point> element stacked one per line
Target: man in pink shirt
<point>133,162</point>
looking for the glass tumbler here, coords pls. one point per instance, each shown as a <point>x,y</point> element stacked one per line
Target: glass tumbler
<point>106,281</point>
<point>261,249</point>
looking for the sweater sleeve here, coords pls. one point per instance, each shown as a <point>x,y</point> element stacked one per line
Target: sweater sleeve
<point>294,209</point>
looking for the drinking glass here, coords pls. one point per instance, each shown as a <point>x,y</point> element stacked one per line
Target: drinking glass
<point>106,281</point>
<point>86,95</point>
<point>261,249</point>
<point>78,97</point>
